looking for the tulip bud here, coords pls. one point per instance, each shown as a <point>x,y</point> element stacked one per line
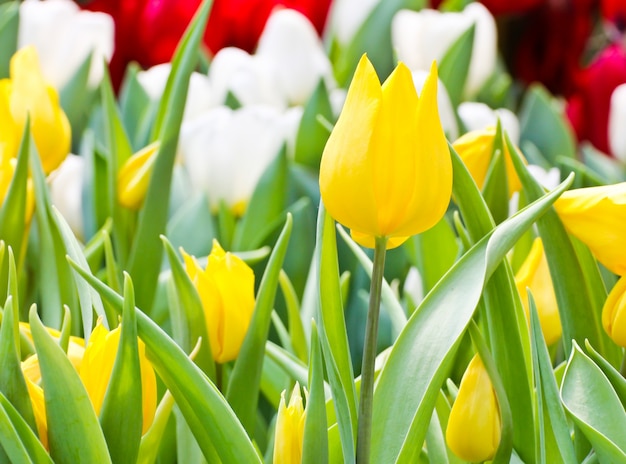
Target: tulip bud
<point>134,177</point>
<point>386,169</point>
<point>617,123</point>
<point>421,37</point>
<point>444,105</point>
<point>597,217</point>
<point>289,434</point>
<point>614,313</point>
<point>64,37</point>
<point>535,274</point>
<point>66,191</point>
<point>226,289</point>
<point>97,366</point>
<point>474,429</point>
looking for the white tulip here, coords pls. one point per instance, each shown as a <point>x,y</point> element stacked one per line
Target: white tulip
<point>548,178</point>
<point>290,45</point>
<point>199,97</point>
<point>226,151</point>
<point>421,37</point>
<point>66,191</point>
<point>414,285</point>
<point>250,78</point>
<point>477,116</point>
<point>617,123</point>
<point>64,36</point>
<point>444,105</point>
<point>347,17</point>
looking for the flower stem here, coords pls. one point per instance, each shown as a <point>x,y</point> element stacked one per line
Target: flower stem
<point>366,401</point>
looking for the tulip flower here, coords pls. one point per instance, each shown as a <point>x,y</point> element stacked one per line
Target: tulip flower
<point>617,123</point>
<point>347,16</point>
<point>535,275</point>
<point>226,289</point>
<point>476,149</point>
<point>588,108</point>
<point>421,37</point>
<point>289,434</point>
<point>502,7</point>
<point>26,93</point>
<point>225,152</point>
<point>66,191</point>
<point>64,37</point>
<point>444,105</point>
<point>134,177</point>
<point>38,403</point>
<point>614,11</point>
<point>97,366</point>
<point>614,313</point>
<point>476,116</point>
<point>386,169</point>
<point>597,217</point>
<point>474,429</point>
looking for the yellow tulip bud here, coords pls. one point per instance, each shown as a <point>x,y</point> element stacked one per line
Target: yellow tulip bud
<point>535,274</point>
<point>97,367</point>
<point>289,433</point>
<point>27,94</point>
<point>134,177</point>
<point>474,429</point>
<point>614,313</point>
<point>386,168</point>
<point>597,217</point>
<point>226,289</point>
<point>35,392</point>
<point>476,149</point>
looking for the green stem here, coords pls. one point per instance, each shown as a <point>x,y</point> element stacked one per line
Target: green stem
<point>623,367</point>
<point>369,355</point>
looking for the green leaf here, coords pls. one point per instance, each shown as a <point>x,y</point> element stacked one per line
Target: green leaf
<point>9,24</point>
<point>615,377</point>
<point>315,444</point>
<point>76,99</point>
<point>243,386</point>
<point>68,407</point>
<point>594,406</point>
<point>192,227</point>
<point>543,125</point>
<point>121,415</point>
<point>138,110</point>
<point>296,329</point>
<point>418,362</point>
<point>454,65</point>
<point>210,417</point>
<point>146,251</point>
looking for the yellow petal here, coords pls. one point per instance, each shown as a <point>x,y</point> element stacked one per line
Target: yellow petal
<point>474,429</point>
<point>614,313</point>
<point>134,177</point>
<point>39,410</point>
<point>289,433</point>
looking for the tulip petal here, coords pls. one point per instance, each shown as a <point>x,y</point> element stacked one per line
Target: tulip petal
<point>614,313</point>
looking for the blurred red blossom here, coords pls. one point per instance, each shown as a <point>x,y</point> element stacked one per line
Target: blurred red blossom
<point>147,31</point>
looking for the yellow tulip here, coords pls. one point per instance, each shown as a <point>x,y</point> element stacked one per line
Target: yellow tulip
<point>597,217</point>
<point>289,433</point>
<point>26,93</point>
<point>226,289</point>
<point>134,177</point>
<point>39,409</point>
<point>476,148</point>
<point>97,366</point>
<point>535,274</point>
<point>614,313</point>
<point>386,168</point>
<point>474,429</point>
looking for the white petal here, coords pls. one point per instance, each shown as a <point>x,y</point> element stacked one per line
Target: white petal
<point>347,16</point>
<point>66,190</point>
<point>291,46</point>
<point>617,123</point>
<point>337,99</point>
<point>414,286</point>
<point>444,105</point>
<point>549,178</point>
<point>484,51</point>
<point>476,116</point>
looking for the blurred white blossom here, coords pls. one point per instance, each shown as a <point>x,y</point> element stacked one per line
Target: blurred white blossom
<point>64,36</point>
<point>617,123</point>
<point>347,16</point>
<point>419,37</point>
<point>66,187</point>
<point>414,286</point>
<point>476,116</point>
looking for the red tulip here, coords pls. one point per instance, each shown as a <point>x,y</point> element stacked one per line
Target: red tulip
<point>588,109</point>
<point>147,31</point>
<point>614,11</point>
<point>502,7</point>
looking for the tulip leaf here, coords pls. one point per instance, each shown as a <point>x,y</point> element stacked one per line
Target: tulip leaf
<point>192,227</point>
<point>121,414</point>
<point>315,443</point>
<point>76,98</point>
<point>146,251</point>
<point>68,407</point>
<point>594,406</point>
<point>16,433</point>
<point>210,417</point>
<point>455,64</point>
<point>289,364</point>
<point>312,136</point>
<point>266,205</point>
<point>296,329</point>
<point>615,377</point>
<point>137,109</point>
<point>543,125</point>
<point>496,185</point>
<point>333,335</point>
<point>373,38</point>
<point>9,24</point>
<point>578,309</point>
<point>188,319</point>
<point>243,386</point>
<point>418,363</point>
<point>555,444</point>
